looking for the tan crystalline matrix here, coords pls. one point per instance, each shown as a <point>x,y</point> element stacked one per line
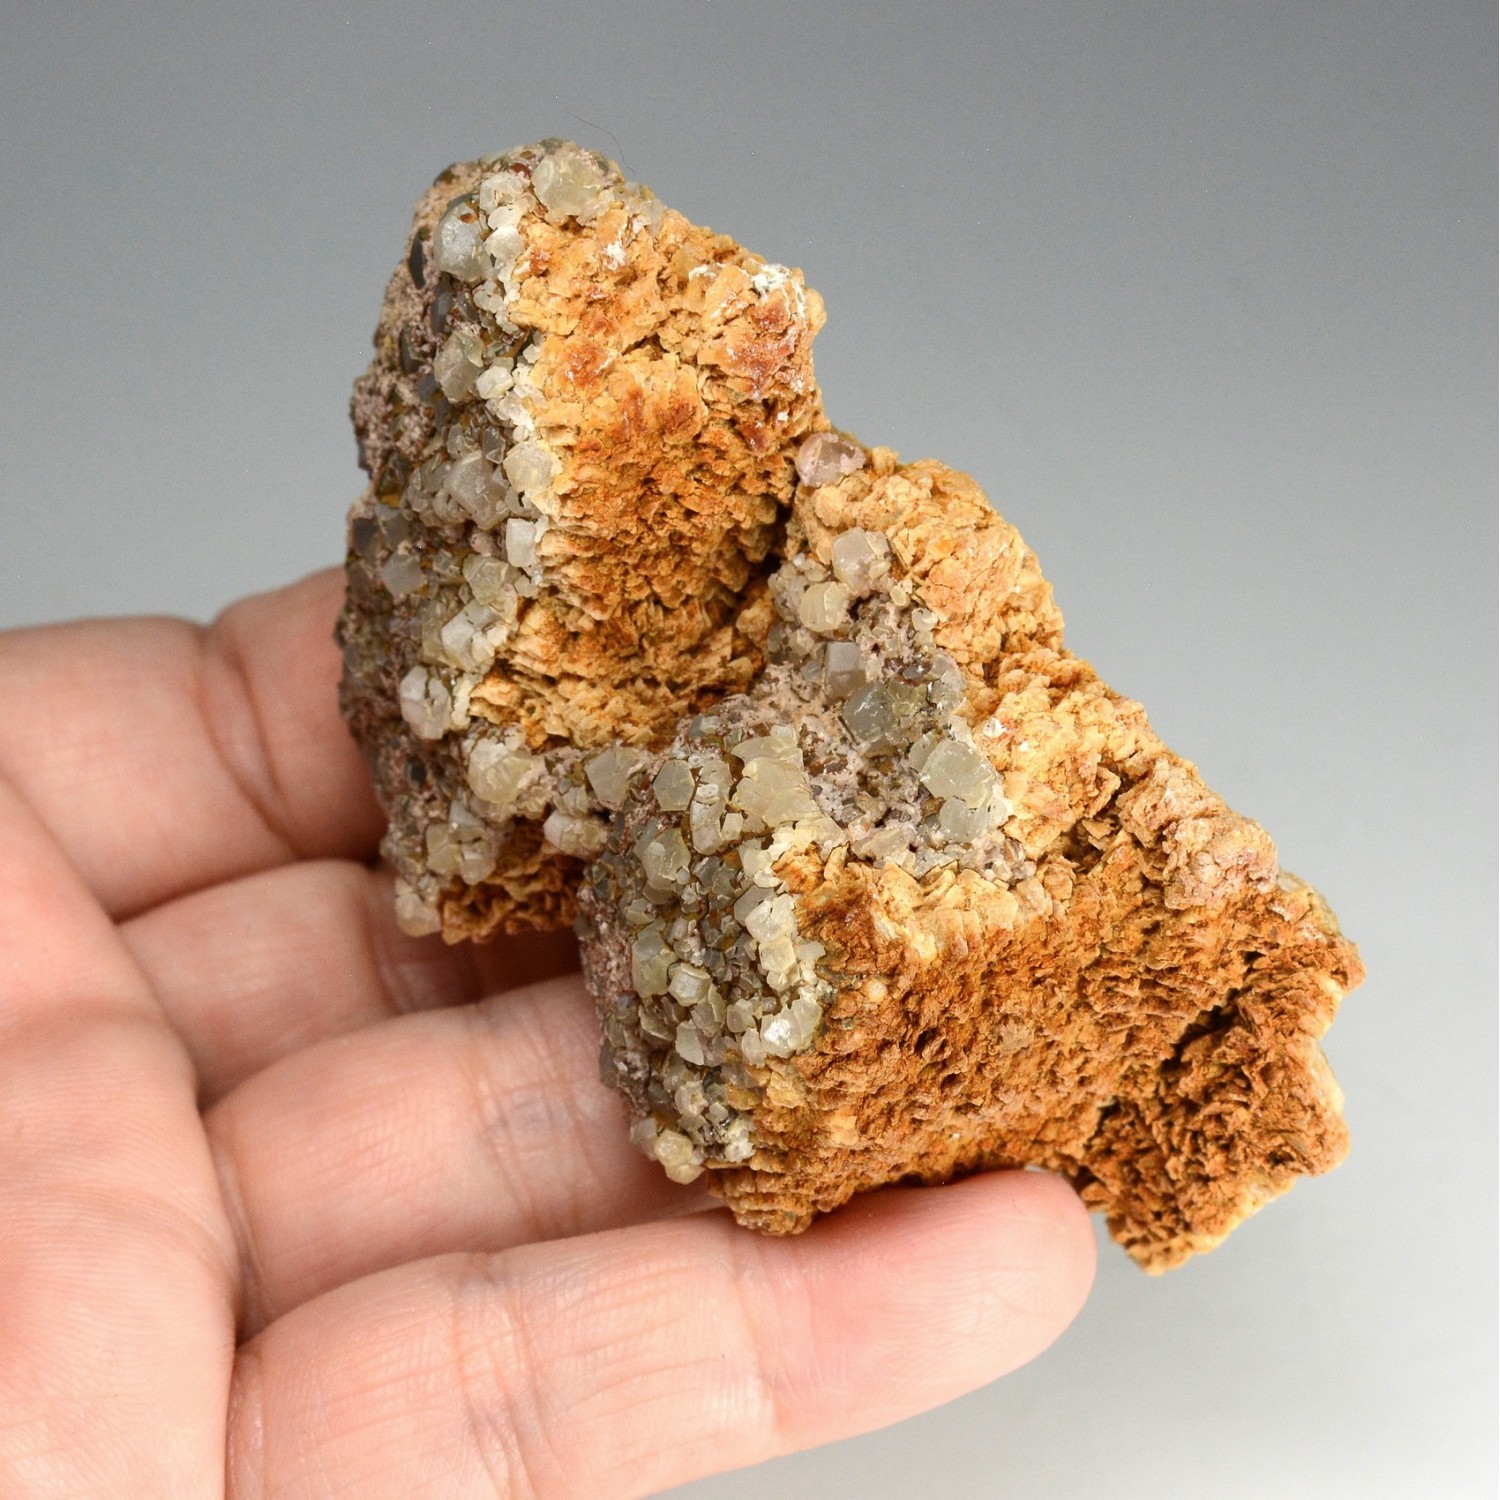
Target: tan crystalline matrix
<point>902,893</point>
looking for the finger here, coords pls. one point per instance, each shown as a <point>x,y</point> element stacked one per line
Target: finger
<point>253,969</point>
<point>165,757</point>
<point>469,1129</point>
<point>621,1363</point>
<point>116,1264</point>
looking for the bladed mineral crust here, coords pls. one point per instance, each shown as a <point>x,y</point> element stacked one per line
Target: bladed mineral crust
<point>875,881</point>
<point>930,898</point>
<point>579,429</point>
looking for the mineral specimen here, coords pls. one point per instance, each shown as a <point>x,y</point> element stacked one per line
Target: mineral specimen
<point>878,882</point>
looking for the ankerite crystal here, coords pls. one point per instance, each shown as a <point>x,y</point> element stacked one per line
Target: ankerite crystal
<point>881,881</point>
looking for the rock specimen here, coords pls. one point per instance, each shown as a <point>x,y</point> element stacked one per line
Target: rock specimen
<point>882,883</point>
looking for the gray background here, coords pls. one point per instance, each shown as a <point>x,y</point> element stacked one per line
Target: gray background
<point>1202,293</point>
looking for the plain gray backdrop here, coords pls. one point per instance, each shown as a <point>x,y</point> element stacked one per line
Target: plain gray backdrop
<point>1202,293</point>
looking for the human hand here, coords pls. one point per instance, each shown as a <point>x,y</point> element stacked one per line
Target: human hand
<point>288,1208</point>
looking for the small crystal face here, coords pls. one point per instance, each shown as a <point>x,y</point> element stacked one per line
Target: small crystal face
<point>825,458</point>
<point>458,242</point>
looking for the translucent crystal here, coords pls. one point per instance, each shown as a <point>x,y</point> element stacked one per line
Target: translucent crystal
<point>664,859</point>
<point>824,607</point>
<point>778,743</point>
<point>708,1013</point>
<point>755,897</point>
<point>441,846</point>
<point>467,640</point>
<point>402,574</point>
<point>825,458</point>
<point>955,770</point>
<point>491,384</point>
<point>869,715</point>
<point>609,774</point>
<point>715,777</point>
<point>530,467</point>
<point>860,558</point>
<point>706,826</point>
<point>689,983</point>
<point>884,843</point>
<point>691,1099</point>
<point>393,525</point>
<point>415,915</point>
<point>770,918</point>
<point>689,1043</point>
<point>808,1016</point>
<point>739,1016</point>
<point>920,748</point>
<point>504,248</point>
<point>678,1155</point>
<point>790,1030</point>
<point>655,1027</point>
<point>457,365</point>
<point>673,786</point>
<point>583,837</point>
<point>520,543</point>
<point>574,800</point>
<point>961,823</point>
<point>843,668</point>
<point>499,775</point>
<point>778,959</point>
<point>650,962</point>
<point>490,580</point>
<point>476,860</point>
<point>737,1143</point>
<point>568,181</point>
<point>756,861</point>
<point>426,703</point>
<point>472,482</point>
<point>775,792</point>
<point>945,688</point>
<point>458,242</point>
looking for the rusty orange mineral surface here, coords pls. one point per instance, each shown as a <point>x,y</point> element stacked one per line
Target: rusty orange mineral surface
<point>874,879</point>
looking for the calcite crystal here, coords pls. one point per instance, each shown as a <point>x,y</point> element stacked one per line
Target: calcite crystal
<point>875,881</point>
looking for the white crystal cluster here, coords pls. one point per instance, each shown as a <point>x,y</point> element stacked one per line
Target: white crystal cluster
<point>719,978</point>
<point>853,739</point>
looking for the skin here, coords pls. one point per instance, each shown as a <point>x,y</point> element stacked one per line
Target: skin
<point>292,1205</point>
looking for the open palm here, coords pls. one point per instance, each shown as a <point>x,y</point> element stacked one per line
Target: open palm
<point>292,1205</point>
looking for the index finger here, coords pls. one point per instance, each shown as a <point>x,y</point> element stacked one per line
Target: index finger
<point>166,756</point>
